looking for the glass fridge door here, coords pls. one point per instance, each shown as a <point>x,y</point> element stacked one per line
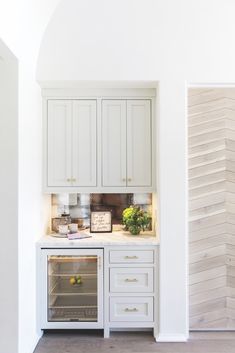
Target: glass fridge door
<point>72,288</point>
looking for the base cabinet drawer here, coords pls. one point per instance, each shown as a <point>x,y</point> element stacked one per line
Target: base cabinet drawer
<point>131,280</point>
<point>130,309</point>
<point>131,256</point>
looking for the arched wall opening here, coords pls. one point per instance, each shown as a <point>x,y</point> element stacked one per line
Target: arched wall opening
<point>22,143</point>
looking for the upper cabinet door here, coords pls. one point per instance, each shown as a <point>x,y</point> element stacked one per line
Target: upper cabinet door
<point>59,121</point>
<point>84,143</point>
<point>139,144</point>
<point>113,143</point>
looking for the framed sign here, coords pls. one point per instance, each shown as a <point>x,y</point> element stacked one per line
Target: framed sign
<point>101,222</point>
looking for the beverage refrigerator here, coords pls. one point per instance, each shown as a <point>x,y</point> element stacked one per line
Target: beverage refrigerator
<point>71,283</point>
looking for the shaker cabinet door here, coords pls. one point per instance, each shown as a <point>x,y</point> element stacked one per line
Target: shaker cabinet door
<point>59,120</point>
<point>139,144</point>
<point>114,143</point>
<point>84,143</point>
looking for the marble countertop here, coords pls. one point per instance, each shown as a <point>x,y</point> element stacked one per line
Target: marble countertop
<point>100,239</point>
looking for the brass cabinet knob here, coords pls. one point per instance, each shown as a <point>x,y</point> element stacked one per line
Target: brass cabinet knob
<point>129,179</point>
<point>72,179</point>
<point>123,179</point>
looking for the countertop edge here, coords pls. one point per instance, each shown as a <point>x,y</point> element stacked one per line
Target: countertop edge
<point>99,240</point>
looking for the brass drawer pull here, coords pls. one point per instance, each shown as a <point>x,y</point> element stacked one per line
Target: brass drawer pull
<point>131,280</point>
<point>131,257</point>
<point>73,179</point>
<point>131,310</point>
<point>68,179</point>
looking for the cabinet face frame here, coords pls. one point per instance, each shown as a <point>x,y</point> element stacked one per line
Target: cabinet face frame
<point>43,322</point>
<point>99,95</point>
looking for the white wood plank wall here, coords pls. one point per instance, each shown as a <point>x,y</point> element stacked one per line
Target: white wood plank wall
<point>211,143</point>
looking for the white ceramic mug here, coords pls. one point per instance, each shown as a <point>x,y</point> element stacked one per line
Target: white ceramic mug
<point>63,229</point>
<point>73,227</point>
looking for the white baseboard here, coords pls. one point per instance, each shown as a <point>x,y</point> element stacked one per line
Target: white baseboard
<point>34,343</point>
<point>168,337</point>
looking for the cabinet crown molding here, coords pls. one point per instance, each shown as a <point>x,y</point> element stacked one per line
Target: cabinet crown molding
<point>105,89</point>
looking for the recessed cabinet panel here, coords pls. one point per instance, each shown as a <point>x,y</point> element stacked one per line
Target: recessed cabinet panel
<point>131,309</point>
<point>131,256</point>
<point>113,143</point>
<point>59,121</point>
<point>139,143</point>
<point>131,280</point>
<point>84,143</point>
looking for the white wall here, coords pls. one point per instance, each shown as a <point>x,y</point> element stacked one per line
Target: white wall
<point>172,42</point>
<point>9,200</point>
<point>22,24</point>
<point>139,39</point>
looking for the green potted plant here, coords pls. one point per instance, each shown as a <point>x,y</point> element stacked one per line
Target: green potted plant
<point>135,219</point>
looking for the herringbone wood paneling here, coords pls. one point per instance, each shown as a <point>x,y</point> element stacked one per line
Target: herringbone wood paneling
<point>211,141</point>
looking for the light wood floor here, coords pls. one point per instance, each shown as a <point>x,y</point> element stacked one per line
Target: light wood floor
<point>119,342</point>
